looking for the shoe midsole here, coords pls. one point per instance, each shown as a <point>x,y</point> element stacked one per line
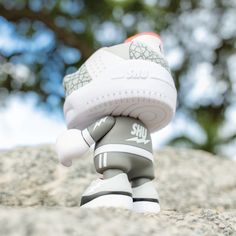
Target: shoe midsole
<point>86,199</point>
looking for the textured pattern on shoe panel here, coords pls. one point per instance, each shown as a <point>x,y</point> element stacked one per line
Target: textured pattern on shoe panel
<point>138,50</point>
<point>76,80</point>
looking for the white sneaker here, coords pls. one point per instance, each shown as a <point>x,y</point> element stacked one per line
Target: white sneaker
<point>112,192</point>
<point>145,198</point>
<point>128,79</point>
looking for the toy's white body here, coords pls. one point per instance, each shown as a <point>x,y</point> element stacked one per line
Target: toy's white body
<point>128,80</point>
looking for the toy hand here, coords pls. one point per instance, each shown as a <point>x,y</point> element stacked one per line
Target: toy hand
<point>70,145</point>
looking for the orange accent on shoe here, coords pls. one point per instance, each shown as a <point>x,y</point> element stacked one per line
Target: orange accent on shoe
<point>143,33</point>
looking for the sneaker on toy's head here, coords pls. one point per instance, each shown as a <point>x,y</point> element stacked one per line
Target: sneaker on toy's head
<point>142,46</point>
<point>134,69</point>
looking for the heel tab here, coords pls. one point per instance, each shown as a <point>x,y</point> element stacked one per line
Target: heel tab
<point>142,34</point>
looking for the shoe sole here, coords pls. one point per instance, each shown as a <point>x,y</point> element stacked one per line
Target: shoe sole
<point>146,207</point>
<point>138,89</point>
<point>112,200</point>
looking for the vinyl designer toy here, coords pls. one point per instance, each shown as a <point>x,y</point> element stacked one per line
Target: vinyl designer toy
<point>116,99</point>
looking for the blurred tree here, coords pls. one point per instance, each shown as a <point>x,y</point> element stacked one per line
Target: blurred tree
<point>41,41</point>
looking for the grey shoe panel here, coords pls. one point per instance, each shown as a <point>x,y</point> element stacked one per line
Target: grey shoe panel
<point>135,166</point>
<point>76,80</point>
<point>138,50</point>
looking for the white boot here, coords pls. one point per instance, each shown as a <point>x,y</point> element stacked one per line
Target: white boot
<point>111,192</point>
<point>145,198</point>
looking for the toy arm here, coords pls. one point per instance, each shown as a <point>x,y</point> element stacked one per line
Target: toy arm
<point>74,143</point>
<point>99,129</point>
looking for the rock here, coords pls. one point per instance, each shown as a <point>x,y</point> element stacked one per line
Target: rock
<point>40,197</point>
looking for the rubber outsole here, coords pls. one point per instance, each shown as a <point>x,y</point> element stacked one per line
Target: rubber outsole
<point>146,207</point>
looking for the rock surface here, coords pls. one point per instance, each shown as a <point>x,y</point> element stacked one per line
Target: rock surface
<point>40,197</point>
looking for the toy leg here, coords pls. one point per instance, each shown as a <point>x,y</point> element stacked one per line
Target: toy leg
<point>145,196</point>
<point>114,190</point>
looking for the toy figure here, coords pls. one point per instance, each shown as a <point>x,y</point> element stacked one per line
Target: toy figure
<point>115,100</point>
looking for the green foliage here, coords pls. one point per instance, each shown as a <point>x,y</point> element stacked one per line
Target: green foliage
<point>74,29</point>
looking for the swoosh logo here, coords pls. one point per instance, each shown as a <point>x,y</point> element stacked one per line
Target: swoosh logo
<point>137,140</point>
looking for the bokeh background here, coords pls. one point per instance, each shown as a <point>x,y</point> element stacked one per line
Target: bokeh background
<point>43,40</point>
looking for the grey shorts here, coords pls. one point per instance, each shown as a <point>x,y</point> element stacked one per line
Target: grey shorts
<point>135,166</point>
